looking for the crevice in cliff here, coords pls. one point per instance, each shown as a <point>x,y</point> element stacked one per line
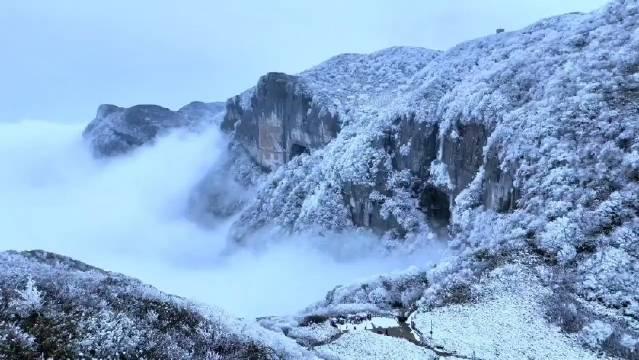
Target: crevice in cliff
<point>297,149</point>
<point>436,205</point>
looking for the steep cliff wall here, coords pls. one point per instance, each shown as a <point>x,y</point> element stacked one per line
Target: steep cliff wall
<point>286,115</point>
<point>280,122</point>
<point>521,143</point>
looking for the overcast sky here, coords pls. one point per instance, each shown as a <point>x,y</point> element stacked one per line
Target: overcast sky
<point>60,59</point>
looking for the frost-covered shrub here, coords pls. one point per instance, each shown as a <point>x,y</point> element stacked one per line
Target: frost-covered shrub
<point>610,276</point>
<point>561,306</point>
<point>450,283</point>
<point>385,292</point>
<point>29,300</point>
<point>595,333</point>
<point>323,208</point>
<point>401,203</point>
<point>64,309</point>
<point>439,175</point>
<point>107,331</point>
<point>15,342</point>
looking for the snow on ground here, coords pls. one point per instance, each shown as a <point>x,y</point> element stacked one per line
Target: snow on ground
<point>559,101</point>
<point>365,82</point>
<point>365,345</point>
<point>373,323</point>
<point>314,333</point>
<point>56,307</point>
<point>505,323</point>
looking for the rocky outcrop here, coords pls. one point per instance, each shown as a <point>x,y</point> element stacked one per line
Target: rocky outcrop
<point>462,153</point>
<point>499,191</point>
<point>55,307</point>
<point>411,146</point>
<point>288,115</point>
<point>441,165</point>
<point>116,130</point>
<point>277,120</point>
<point>525,143</point>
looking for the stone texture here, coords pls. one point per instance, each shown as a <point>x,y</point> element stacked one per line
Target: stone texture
<point>411,146</point>
<point>463,154</point>
<point>278,120</point>
<point>422,142</point>
<point>499,191</point>
<point>366,212</point>
<point>461,150</point>
<point>281,121</point>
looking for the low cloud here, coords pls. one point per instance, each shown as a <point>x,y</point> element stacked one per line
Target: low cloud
<point>128,215</point>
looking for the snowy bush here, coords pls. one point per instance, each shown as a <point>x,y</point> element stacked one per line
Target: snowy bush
<point>86,312</point>
<point>29,299</point>
<point>595,333</point>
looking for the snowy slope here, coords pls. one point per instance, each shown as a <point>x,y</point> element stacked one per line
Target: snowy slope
<point>352,84</point>
<point>503,322</point>
<point>56,307</point>
<point>359,81</point>
<point>537,135</point>
<point>365,345</point>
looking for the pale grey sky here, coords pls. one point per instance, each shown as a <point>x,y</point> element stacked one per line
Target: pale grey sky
<point>61,59</point>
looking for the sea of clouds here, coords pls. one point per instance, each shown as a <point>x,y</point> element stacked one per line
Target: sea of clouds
<point>128,214</point>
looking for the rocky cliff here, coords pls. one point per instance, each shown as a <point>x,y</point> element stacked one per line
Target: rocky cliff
<point>447,131</point>
<point>285,116</point>
<point>117,130</point>
<point>519,146</point>
<point>280,121</point>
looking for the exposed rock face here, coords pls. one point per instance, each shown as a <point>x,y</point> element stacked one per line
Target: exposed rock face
<point>226,188</point>
<point>288,115</point>
<point>278,120</point>
<point>499,192</point>
<point>441,165</point>
<point>411,146</point>
<point>281,121</point>
<point>422,140</point>
<point>55,307</point>
<point>423,134</point>
<point>462,152</point>
<point>525,143</point>
<point>117,130</point>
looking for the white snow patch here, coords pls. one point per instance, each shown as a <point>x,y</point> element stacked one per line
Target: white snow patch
<point>365,345</point>
<point>506,323</point>
<point>373,323</point>
<point>439,175</point>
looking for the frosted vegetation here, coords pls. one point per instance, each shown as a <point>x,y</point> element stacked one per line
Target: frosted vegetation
<point>559,102</point>
<point>60,307</point>
<point>559,99</point>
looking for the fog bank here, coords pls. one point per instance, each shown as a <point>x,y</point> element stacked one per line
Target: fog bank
<point>127,215</point>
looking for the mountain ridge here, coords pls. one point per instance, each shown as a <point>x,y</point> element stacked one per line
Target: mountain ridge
<point>520,149</point>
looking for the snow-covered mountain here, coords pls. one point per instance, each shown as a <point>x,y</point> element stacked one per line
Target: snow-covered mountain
<point>117,130</point>
<point>523,145</point>
<point>519,149</point>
